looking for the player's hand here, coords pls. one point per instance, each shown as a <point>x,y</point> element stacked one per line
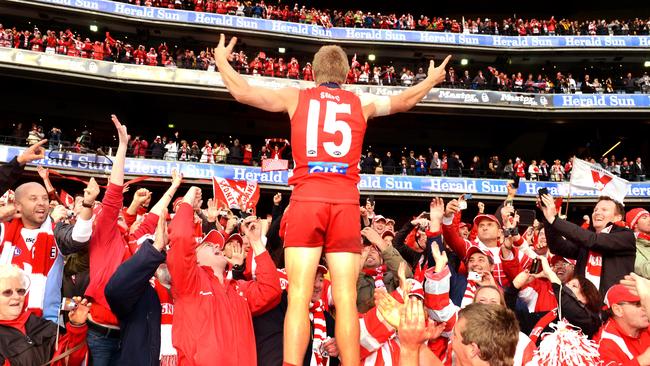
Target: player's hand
<point>223,52</point>
<point>238,254</point>
<point>437,74</point>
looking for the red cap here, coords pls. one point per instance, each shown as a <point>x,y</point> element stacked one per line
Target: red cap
<point>464,224</point>
<point>476,249</point>
<point>321,269</point>
<point>214,237</point>
<point>634,215</point>
<point>480,217</point>
<point>236,237</point>
<point>618,294</point>
<point>390,220</point>
<point>387,233</point>
<point>557,258</point>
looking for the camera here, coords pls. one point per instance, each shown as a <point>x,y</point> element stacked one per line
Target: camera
<point>68,304</point>
<point>474,276</point>
<point>540,192</point>
<point>536,266</point>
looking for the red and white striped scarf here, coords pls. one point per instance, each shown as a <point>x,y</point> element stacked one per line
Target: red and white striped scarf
<point>317,316</point>
<point>168,355</point>
<point>595,263</point>
<point>377,274</point>
<point>36,262</point>
<point>468,296</point>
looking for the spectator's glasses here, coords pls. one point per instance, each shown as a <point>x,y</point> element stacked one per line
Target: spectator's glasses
<point>10,292</point>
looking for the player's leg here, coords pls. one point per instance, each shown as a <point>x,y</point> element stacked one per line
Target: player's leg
<point>343,252</point>
<point>301,264</point>
<point>303,240</point>
<point>344,272</point>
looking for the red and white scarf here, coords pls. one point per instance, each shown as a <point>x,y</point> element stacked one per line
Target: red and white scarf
<point>470,292</point>
<point>317,316</point>
<point>36,262</point>
<point>377,274</point>
<point>168,355</point>
<point>595,263</point>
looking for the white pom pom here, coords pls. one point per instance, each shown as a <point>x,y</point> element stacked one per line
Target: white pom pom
<point>566,346</point>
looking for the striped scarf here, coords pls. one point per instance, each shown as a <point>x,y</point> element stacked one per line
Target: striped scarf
<point>168,355</point>
<point>317,316</point>
<point>468,296</point>
<point>377,274</point>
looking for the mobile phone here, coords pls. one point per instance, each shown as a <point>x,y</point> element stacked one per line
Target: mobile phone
<point>536,266</point>
<point>474,276</point>
<point>68,304</point>
<point>468,196</point>
<point>541,192</point>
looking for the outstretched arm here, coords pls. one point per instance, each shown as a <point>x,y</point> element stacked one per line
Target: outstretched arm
<point>283,100</point>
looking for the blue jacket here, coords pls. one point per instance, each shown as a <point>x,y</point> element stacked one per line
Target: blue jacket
<point>137,306</point>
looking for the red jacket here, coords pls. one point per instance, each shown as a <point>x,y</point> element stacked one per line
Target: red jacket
<point>107,250</point>
<point>213,320</point>
<point>617,348</point>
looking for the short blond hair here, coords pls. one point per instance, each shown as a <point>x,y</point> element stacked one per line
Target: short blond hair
<point>330,65</point>
<point>494,329</point>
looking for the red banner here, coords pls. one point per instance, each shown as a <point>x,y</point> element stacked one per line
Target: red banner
<point>241,195</point>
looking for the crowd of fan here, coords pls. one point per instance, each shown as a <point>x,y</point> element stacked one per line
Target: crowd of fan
<point>432,163</point>
<point>138,266</point>
<point>281,66</point>
<point>362,19</point>
<point>451,165</point>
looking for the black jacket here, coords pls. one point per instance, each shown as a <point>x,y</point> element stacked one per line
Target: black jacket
<point>618,249</point>
<point>137,306</point>
<point>34,349</point>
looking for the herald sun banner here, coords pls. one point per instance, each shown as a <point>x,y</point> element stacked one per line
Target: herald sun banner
<point>590,177</point>
<point>242,195</point>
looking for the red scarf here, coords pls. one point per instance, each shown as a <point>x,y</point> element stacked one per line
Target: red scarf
<point>35,262</point>
<point>595,260</point>
<point>317,316</point>
<point>542,324</point>
<point>377,274</point>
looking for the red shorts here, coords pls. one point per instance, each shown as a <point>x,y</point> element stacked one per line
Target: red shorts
<point>335,226</point>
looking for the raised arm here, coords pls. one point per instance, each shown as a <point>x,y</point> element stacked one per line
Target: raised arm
<point>283,100</point>
<point>117,171</point>
<point>181,260</point>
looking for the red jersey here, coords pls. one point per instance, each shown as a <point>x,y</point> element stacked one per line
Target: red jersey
<point>327,133</point>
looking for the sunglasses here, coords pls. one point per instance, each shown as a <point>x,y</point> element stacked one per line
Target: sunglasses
<point>10,292</point>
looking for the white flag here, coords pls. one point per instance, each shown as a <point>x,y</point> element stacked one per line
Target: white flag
<point>590,177</point>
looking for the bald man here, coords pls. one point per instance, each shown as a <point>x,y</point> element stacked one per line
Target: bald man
<point>29,243</point>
